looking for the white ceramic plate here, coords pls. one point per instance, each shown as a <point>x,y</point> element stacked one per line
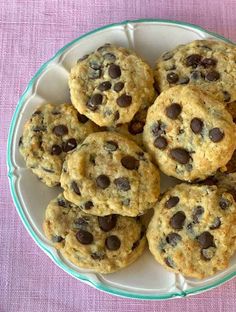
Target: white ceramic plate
<point>145,279</point>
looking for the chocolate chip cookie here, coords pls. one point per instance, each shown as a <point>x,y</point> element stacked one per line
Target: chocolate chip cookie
<point>102,244</point>
<point>108,174</point>
<point>52,132</point>
<point>206,63</point>
<point>189,133</point>
<point>193,230</point>
<point>110,84</point>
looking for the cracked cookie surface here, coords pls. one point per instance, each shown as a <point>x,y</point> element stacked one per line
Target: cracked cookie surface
<point>108,174</point>
<point>189,134</point>
<point>208,64</point>
<point>193,230</point>
<point>110,85</point>
<point>52,132</point>
<point>102,244</point>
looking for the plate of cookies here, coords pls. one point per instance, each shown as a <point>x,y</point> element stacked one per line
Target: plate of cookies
<point>121,159</point>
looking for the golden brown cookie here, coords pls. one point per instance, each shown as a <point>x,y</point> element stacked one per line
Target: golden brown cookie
<point>208,64</point>
<point>193,230</point>
<point>189,134</point>
<point>110,85</point>
<point>108,174</point>
<point>51,133</point>
<point>102,244</point>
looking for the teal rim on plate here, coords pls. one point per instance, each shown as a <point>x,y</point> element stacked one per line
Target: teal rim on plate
<point>40,243</point>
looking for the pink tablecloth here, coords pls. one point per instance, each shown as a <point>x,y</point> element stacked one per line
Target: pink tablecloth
<point>32,31</point>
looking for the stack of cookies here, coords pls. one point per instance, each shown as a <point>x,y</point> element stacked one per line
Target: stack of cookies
<point>106,149</point>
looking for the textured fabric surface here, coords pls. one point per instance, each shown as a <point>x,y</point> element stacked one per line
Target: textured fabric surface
<point>32,31</point>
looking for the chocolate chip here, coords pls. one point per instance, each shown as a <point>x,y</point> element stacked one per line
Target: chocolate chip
<point>160,142</point>
<point>57,239</point>
<point>81,222</point>
<point>83,58</point>
<point>173,110</point>
<point>75,188</point>
<point>116,116</point>
<point>103,181</point>
<point>94,73</point>
<point>112,242</point>
<point>177,220</point>
<point>208,254</point>
<point>61,202</point>
<point>206,240</point>
<point>103,47</point>
<point>94,101</point>
<point>69,145</point>
<point>224,203</point>
<point>169,262</point>
<point>193,60</point>
<point>216,135</point>
<point>136,126</point>
<point>213,75</point>
<point>197,214</point>
<point>135,244</point>
<point>82,118</point>
<point>180,131</point>
<point>189,228</point>
<point>183,80</point>
<point>208,62</point>
<point>196,75</point>
<point>37,112</point>
<point>196,125</point>
<point>48,170</point>
<point>118,86</point>
<point>172,77</point>
<point>98,256</point>
<point>84,237</point>
<point>41,128</point>
<point>130,163</point>
<point>180,155</point>
<point>227,96</point>
<point>20,141</point>
<point>141,155</point>
<point>122,184</point>
<point>88,205</point>
<point>172,202</point>
<point>60,130</point>
<point>55,112</point>
<point>124,100</point>
<point>162,245</point>
<point>104,86</point>
<point>114,71</point>
<point>167,56</point>
<point>173,239</point>
<point>95,65</point>
<point>56,150</point>
<point>158,128</point>
<point>110,146</point>
<point>107,223</point>
<point>109,57</point>
<point>216,224</point>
